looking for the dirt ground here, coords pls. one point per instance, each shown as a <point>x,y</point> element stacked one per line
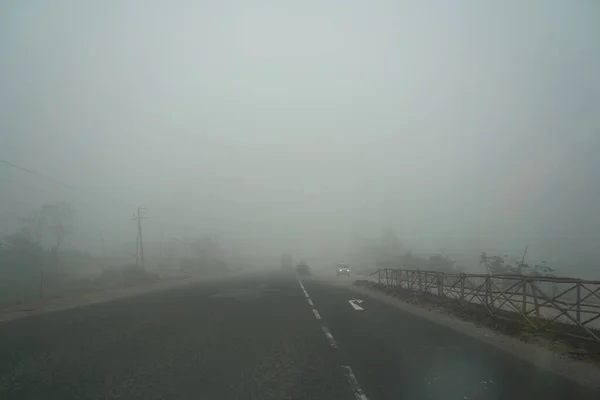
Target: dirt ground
<point>47,305</point>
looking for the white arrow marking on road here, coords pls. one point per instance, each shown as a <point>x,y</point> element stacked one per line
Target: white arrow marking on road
<point>354,305</point>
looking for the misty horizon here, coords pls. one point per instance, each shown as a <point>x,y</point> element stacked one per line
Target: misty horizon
<point>309,128</point>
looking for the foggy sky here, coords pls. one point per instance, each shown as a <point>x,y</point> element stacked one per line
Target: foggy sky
<point>466,126</point>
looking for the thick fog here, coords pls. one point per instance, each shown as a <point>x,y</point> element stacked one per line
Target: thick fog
<point>308,127</point>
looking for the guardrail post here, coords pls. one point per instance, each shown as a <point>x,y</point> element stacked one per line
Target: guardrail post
<point>489,299</point>
<point>420,282</point>
<point>440,279</point>
<point>524,296</point>
<point>536,304</point>
<point>578,312</point>
<point>462,288</point>
<point>400,279</point>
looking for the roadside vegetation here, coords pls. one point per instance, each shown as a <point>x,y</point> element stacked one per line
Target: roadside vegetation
<point>35,264</point>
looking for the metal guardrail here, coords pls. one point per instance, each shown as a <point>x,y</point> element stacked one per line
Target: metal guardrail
<point>561,305</point>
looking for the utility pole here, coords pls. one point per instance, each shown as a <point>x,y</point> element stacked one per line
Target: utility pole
<point>137,241</point>
<point>524,254</point>
<point>103,249</point>
<point>141,242</point>
<point>139,216</point>
<point>103,244</point>
<point>160,249</point>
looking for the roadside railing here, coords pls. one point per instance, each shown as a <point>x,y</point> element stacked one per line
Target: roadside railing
<point>561,305</point>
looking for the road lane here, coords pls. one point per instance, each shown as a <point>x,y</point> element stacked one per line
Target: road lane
<point>243,338</point>
<point>396,355</point>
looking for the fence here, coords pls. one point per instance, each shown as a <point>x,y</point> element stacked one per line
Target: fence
<point>562,305</point>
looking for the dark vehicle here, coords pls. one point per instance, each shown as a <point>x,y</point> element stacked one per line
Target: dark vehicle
<point>343,269</point>
<point>303,269</point>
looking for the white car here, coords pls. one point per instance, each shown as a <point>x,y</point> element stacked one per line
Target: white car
<point>343,269</point>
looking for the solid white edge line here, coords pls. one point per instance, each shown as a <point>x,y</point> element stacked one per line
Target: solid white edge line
<point>310,302</point>
<point>329,336</point>
<point>356,389</point>
<point>317,316</point>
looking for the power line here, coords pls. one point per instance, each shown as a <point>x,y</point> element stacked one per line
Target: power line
<point>65,186</point>
<point>39,175</point>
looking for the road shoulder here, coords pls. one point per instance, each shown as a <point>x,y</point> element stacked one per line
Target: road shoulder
<point>43,306</point>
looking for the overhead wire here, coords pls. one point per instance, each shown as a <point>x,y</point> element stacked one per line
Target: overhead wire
<point>65,186</point>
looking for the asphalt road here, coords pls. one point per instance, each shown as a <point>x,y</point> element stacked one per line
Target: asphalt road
<point>264,337</point>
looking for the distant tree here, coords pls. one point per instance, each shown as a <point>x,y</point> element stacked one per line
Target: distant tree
<point>56,217</point>
<point>34,225</point>
<point>440,263</point>
<point>436,262</point>
<point>540,269</point>
<point>496,265</point>
<point>20,252</point>
<point>484,258</point>
<point>390,244</point>
<point>370,253</point>
<point>410,261</point>
<point>544,269</point>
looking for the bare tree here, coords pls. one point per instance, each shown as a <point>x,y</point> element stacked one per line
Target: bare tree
<point>496,265</point>
<point>390,247</point>
<point>34,225</point>
<point>56,217</point>
<point>20,252</point>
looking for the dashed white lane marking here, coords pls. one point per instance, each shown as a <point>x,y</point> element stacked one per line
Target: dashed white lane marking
<point>329,337</point>
<point>304,290</point>
<point>359,394</point>
<point>317,316</point>
<point>302,286</point>
<point>356,389</point>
